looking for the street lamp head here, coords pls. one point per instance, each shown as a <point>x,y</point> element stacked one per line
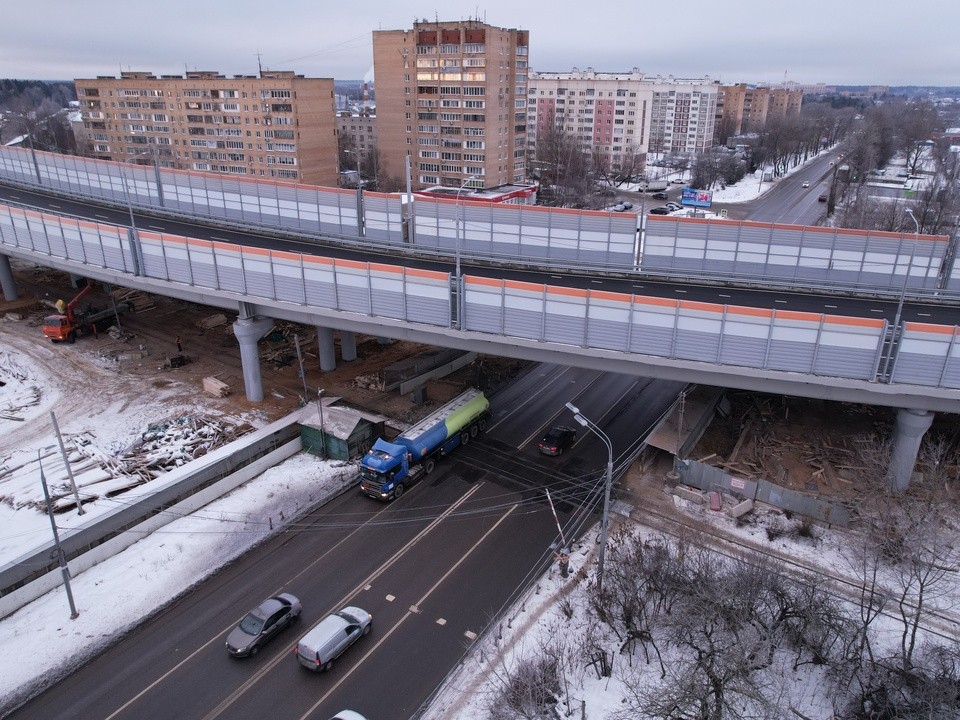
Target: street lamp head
<point>581,420</point>
<point>573,408</point>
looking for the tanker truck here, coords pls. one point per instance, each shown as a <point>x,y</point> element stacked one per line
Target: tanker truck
<point>389,468</point>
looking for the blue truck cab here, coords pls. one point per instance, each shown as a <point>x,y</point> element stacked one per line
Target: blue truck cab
<point>389,468</point>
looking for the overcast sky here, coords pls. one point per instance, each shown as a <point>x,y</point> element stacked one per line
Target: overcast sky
<point>882,42</point>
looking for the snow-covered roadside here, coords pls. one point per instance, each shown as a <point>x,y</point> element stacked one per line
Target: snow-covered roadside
<point>118,594</point>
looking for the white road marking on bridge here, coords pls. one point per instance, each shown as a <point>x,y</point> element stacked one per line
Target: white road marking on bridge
<point>104,217</point>
<point>723,295</point>
<point>441,621</point>
<point>832,307</point>
<point>679,291</point>
<point>156,227</point>
<point>214,237</point>
<point>470,635</point>
<point>782,302</point>
<point>597,282</point>
<point>876,310</point>
<point>390,598</point>
<point>56,206</point>
<point>925,314</point>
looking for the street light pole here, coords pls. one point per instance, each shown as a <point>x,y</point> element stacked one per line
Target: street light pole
<point>323,437</point>
<point>582,420</point>
<point>360,223</point>
<point>903,290</point>
<point>456,221</point>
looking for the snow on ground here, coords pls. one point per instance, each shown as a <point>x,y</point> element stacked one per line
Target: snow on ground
<point>109,604</point>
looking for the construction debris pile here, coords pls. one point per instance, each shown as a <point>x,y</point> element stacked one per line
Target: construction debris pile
<point>102,472</point>
<point>788,441</point>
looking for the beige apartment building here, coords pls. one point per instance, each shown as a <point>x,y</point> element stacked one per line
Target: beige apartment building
<point>452,96</point>
<point>275,125</point>
<point>623,116</point>
<point>743,108</point>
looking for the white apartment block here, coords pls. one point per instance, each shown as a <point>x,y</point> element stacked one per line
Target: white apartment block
<point>624,115</point>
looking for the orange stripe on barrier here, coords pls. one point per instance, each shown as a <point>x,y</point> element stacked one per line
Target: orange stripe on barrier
<point>428,274</point>
<point>931,328</point>
<point>248,250</point>
<point>660,302</point>
<point>489,282</point>
<point>750,311</point>
<point>286,255</point>
<point>525,286</point>
<point>317,260</point>
<point>568,291</point>
<point>854,321</point>
<point>695,305</point>
<point>607,295</point>
<point>380,267</point>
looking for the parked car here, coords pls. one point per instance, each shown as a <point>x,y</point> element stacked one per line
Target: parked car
<point>660,196</point>
<point>806,184</point>
<point>619,207</point>
<point>262,624</point>
<point>627,205</point>
<point>674,206</point>
<point>557,439</point>
<point>659,211</point>
<point>823,197</point>
<point>327,641</point>
<point>678,181</point>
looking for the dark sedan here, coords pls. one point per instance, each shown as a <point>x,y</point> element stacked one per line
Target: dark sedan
<point>557,439</point>
<point>261,624</point>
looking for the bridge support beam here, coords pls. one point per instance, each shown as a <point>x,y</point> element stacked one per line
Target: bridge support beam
<point>348,345</point>
<point>326,349</point>
<point>908,431</point>
<point>249,330</point>
<point>7,284</point>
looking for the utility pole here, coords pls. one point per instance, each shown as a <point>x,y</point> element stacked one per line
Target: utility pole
<point>61,557</point>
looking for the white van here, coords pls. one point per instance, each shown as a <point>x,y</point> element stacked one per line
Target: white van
<point>326,642</point>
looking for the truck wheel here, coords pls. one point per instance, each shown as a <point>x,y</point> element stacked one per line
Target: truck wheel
<point>398,491</point>
<point>483,425</point>
<point>464,438</point>
<point>72,337</point>
<point>474,430</point>
<point>428,466</point>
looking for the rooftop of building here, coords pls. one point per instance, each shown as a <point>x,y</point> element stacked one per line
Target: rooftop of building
<point>201,75</point>
<point>633,74</point>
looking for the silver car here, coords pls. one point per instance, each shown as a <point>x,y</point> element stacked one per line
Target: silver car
<point>331,637</point>
<point>261,624</point>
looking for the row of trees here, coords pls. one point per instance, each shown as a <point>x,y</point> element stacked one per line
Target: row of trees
<point>900,129</point>
<point>693,634</point>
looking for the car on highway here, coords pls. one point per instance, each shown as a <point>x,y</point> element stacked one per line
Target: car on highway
<point>822,198</point>
<point>262,624</point>
<point>806,184</point>
<point>660,196</point>
<point>331,637</point>
<point>348,715</point>
<point>659,211</point>
<point>557,439</point>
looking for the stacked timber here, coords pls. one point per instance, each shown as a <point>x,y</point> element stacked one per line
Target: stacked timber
<point>215,387</point>
<point>136,300</point>
<point>212,321</point>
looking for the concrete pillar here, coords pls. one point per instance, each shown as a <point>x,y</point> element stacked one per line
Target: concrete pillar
<point>326,350</point>
<point>908,431</point>
<point>78,281</point>
<point>7,285</point>
<point>248,331</point>
<point>348,345</point>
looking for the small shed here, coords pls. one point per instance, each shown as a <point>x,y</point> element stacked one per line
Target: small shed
<point>342,433</point>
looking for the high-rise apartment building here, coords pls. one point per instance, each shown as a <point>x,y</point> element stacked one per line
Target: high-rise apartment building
<point>623,116</point>
<point>453,97</point>
<point>743,108</point>
<point>273,125</point>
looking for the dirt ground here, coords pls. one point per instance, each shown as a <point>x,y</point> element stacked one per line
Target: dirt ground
<point>147,343</point>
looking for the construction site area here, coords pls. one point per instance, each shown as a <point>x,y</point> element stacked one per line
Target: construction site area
<point>164,355</point>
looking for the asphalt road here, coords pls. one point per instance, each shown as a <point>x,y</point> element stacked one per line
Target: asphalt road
<point>433,568</point>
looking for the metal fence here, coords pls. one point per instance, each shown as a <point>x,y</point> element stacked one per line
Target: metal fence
<point>785,255</point>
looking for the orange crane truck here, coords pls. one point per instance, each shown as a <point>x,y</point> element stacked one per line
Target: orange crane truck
<point>70,323</point>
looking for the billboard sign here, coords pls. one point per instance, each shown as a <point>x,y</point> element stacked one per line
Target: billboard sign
<point>696,198</point>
